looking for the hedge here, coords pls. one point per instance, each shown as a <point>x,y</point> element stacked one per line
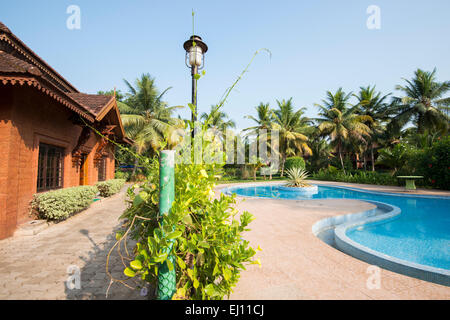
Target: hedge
<point>367,177</point>
<point>110,187</point>
<point>60,204</point>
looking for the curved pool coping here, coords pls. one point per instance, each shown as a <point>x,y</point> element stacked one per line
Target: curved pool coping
<point>342,223</point>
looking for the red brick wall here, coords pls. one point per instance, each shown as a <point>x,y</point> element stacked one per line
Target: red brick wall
<point>28,117</point>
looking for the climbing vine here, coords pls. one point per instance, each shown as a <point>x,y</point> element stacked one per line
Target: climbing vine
<point>203,230</point>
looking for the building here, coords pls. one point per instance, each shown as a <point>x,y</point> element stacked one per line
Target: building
<point>44,141</point>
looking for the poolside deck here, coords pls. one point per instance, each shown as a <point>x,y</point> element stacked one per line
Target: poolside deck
<point>298,265</point>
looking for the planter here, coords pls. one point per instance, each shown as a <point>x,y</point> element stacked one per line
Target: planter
<point>302,190</point>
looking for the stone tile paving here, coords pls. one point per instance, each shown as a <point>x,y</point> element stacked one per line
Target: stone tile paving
<point>36,267</point>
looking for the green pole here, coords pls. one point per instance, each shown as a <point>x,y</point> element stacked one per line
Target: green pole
<point>166,278</point>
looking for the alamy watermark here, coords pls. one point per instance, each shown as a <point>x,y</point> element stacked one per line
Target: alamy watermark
<point>73,22</point>
<point>228,148</point>
<point>374,20</point>
<point>374,279</point>
<point>74,279</point>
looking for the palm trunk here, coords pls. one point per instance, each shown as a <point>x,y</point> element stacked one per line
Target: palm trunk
<point>283,160</point>
<point>372,158</point>
<point>340,157</point>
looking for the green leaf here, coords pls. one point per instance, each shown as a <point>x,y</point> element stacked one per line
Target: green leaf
<point>209,290</point>
<point>227,274</point>
<point>129,272</point>
<point>190,273</point>
<point>203,244</point>
<point>196,76</point>
<point>161,257</point>
<point>169,264</point>
<point>196,283</point>
<point>187,219</point>
<point>216,269</point>
<point>136,265</point>
<point>174,235</point>
<point>181,263</point>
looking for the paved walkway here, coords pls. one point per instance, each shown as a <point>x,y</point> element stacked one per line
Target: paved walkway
<point>36,267</point>
<point>298,265</point>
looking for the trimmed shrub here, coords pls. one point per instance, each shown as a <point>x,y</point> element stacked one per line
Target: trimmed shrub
<point>294,162</point>
<point>366,177</point>
<point>126,175</point>
<point>62,203</point>
<point>110,187</point>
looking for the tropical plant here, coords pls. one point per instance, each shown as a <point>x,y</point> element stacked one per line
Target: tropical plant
<point>147,119</point>
<point>423,102</point>
<point>394,158</point>
<point>200,236</point>
<point>341,123</point>
<point>255,164</point>
<point>321,152</point>
<point>292,128</point>
<point>297,177</point>
<point>218,120</point>
<point>264,119</point>
<point>435,164</point>
<point>374,105</point>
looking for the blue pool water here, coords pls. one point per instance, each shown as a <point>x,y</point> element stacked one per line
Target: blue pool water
<point>420,234</point>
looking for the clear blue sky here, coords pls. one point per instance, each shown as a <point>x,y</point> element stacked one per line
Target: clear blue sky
<point>316,46</point>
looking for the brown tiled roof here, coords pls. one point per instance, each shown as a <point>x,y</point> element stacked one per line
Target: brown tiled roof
<point>30,56</point>
<point>11,64</point>
<point>94,103</point>
<point>4,28</point>
<point>20,65</point>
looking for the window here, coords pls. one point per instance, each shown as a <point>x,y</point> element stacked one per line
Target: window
<point>50,167</point>
<point>102,169</point>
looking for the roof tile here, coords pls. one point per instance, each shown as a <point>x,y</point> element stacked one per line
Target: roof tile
<point>11,64</point>
<point>92,102</point>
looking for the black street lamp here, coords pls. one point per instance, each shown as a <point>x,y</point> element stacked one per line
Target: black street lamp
<point>195,50</point>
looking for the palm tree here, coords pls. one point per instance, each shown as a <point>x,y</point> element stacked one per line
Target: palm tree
<point>264,119</point>
<point>218,120</point>
<point>292,127</point>
<point>261,130</point>
<point>371,103</point>
<point>321,151</point>
<point>340,122</point>
<point>423,102</point>
<point>146,118</point>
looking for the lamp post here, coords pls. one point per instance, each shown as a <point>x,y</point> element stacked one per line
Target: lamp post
<point>195,51</point>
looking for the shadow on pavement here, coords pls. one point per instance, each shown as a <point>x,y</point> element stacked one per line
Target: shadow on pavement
<point>94,281</point>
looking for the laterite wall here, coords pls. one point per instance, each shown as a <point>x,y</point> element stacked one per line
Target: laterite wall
<point>28,117</point>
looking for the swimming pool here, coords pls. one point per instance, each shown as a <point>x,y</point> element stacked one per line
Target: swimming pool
<point>417,235</point>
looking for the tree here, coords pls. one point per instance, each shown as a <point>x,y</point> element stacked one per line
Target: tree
<point>424,103</point>
<point>264,123</point>
<point>340,122</point>
<point>147,119</point>
<point>321,151</point>
<point>264,118</point>
<point>374,105</point>
<point>292,127</point>
<point>394,158</point>
<point>118,94</point>
<point>218,120</point>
